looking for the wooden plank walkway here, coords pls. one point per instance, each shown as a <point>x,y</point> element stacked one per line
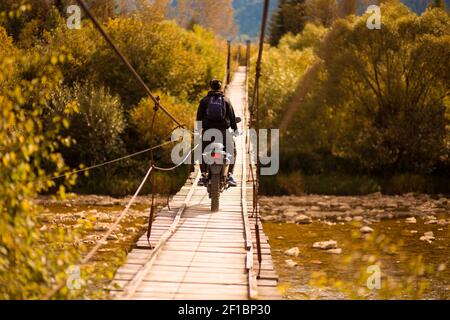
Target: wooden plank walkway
<point>201,255</point>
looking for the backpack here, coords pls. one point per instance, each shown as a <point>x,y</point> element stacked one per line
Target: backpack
<point>216,110</point>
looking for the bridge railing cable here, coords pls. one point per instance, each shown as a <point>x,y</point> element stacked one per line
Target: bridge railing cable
<point>152,168</point>
<point>111,161</point>
<point>254,122</point>
<point>94,250</point>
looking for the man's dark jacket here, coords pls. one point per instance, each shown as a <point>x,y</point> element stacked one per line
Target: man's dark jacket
<point>229,121</point>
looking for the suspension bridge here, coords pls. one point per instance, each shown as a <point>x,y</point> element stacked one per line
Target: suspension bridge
<point>189,252</point>
<point>199,254</point>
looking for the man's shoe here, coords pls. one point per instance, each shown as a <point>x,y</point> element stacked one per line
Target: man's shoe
<point>231,181</point>
<point>203,180</point>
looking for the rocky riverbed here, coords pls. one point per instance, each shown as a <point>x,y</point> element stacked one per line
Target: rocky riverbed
<point>93,215</point>
<point>335,239</point>
<point>370,208</point>
<point>309,235</point>
<point>89,217</point>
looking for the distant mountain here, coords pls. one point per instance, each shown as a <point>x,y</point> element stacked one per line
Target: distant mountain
<point>248,14</point>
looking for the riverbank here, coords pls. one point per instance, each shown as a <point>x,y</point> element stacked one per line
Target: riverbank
<point>370,208</point>
<point>95,200</point>
<point>88,218</point>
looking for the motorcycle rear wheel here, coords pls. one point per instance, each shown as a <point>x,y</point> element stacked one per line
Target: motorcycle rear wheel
<point>215,192</point>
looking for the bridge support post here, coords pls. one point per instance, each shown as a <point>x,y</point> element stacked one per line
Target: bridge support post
<point>228,62</point>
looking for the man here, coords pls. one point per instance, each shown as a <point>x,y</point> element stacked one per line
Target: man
<point>216,112</point>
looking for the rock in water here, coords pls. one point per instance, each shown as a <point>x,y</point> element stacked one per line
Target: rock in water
<point>325,245</point>
<point>131,230</point>
<point>291,263</point>
<point>112,237</point>
<point>102,216</point>
<point>295,251</point>
<point>270,218</point>
<point>101,227</point>
<point>411,220</point>
<point>80,215</point>
<point>366,229</point>
<point>290,214</point>
<point>428,237</point>
<point>335,251</point>
<point>302,219</point>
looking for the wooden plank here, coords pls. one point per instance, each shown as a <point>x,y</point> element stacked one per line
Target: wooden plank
<point>175,288</point>
<point>190,296</point>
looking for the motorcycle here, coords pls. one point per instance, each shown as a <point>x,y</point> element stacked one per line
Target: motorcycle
<point>218,162</point>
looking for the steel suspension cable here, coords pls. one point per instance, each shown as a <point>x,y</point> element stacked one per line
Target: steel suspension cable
<point>94,250</point>
<point>112,161</point>
<point>255,110</point>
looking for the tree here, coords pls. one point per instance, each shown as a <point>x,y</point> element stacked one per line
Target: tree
<point>311,36</point>
<point>214,15</point>
<point>346,8</point>
<point>289,17</point>
<point>33,16</point>
<point>322,11</point>
<point>149,10</point>
<point>30,259</point>
<point>283,69</point>
<point>437,4</point>
<point>103,9</point>
<point>383,88</point>
<point>96,128</point>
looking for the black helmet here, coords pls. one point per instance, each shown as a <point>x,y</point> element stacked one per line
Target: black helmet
<point>215,84</point>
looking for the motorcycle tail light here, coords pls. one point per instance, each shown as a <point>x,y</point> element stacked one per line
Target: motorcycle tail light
<point>215,156</point>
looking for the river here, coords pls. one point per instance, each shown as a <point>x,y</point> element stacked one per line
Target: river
<point>413,263</point>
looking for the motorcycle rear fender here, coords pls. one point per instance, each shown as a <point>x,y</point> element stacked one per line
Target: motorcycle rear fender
<point>216,168</point>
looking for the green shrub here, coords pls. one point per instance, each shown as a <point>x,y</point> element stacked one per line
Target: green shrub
<point>283,69</point>
<point>142,117</point>
<point>30,260</point>
<point>292,183</point>
<point>311,35</point>
<point>340,184</point>
<point>96,128</point>
<point>168,58</point>
<point>405,183</point>
<point>295,183</point>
